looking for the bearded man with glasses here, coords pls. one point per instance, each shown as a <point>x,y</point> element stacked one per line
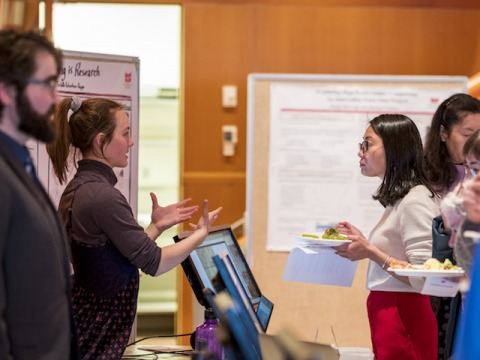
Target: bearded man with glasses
<point>35,311</point>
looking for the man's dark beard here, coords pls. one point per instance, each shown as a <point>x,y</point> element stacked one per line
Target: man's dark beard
<point>32,123</point>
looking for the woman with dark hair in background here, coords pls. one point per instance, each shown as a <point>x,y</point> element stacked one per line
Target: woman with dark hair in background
<point>108,245</point>
<point>453,212</point>
<point>455,120</point>
<point>402,322</point>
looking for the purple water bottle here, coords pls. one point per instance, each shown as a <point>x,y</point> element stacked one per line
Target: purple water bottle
<point>205,336</point>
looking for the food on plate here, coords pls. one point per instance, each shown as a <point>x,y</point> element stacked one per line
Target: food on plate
<point>434,264</point>
<point>430,264</point>
<point>333,234</point>
<point>394,264</point>
<point>311,236</point>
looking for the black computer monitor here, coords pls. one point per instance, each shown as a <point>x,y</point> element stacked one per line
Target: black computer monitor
<point>200,268</point>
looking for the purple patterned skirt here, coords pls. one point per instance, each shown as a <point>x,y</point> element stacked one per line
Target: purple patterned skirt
<point>104,324</point>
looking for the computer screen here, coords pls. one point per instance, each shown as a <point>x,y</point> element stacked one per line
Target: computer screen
<point>200,268</point>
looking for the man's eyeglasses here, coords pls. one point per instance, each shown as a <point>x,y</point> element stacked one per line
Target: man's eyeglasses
<point>363,146</point>
<point>48,83</point>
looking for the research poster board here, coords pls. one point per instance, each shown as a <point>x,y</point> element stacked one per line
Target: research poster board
<point>310,147</point>
<point>86,75</point>
<point>303,173</point>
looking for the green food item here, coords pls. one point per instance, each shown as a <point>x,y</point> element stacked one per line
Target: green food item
<point>447,265</point>
<point>311,236</point>
<point>333,234</point>
<point>434,264</point>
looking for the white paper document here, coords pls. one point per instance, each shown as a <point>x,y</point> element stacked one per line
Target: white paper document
<point>319,265</point>
<point>438,286</point>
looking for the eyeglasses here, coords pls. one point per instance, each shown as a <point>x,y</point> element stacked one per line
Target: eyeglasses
<point>48,83</point>
<point>363,146</point>
<point>470,171</point>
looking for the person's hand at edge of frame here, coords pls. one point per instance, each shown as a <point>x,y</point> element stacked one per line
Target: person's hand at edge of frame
<point>471,200</point>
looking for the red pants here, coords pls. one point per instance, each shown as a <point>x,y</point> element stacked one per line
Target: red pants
<point>402,326</point>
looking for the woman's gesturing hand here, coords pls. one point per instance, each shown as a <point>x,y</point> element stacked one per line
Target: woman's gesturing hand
<point>207,218</point>
<point>165,217</point>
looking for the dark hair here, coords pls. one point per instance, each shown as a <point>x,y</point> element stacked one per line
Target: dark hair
<point>405,167</point>
<point>94,116</point>
<point>18,51</point>
<point>441,170</point>
<point>472,146</point>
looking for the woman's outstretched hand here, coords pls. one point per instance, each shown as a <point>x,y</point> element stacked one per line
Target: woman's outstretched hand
<point>174,254</point>
<point>471,200</point>
<point>207,218</point>
<point>165,217</point>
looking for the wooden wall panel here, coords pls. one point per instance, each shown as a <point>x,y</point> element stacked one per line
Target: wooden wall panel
<point>431,4</point>
<point>221,189</point>
<point>223,43</point>
<point>217,52</point>
<point>366,41</point>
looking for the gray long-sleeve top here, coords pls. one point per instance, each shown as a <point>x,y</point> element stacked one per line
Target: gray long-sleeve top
<point>101,213</point>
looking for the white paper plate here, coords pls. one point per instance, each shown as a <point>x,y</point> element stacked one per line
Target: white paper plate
<point>312,241</point>
<point>428,273</point>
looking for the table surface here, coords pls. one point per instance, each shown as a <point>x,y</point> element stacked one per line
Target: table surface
<point>146,352</point>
